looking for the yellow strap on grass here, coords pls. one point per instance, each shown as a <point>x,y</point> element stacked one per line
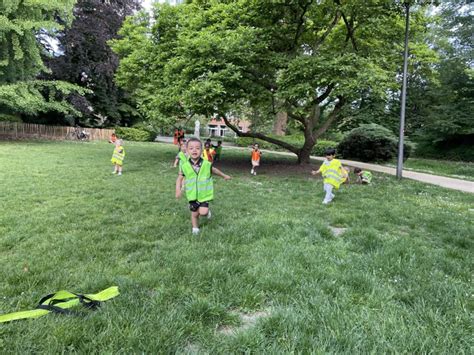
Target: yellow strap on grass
<point>104,295</point>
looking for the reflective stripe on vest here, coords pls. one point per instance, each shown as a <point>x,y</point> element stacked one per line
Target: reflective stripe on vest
<point>199,187</point>
<point>117,155</point>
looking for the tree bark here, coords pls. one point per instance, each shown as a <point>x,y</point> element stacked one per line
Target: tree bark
<point>279,126</point>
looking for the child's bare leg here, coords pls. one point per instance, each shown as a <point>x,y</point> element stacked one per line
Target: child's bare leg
<point>203,211</point>
<point>195,219</point>
<point>119,169</point>
<point>115,168</point>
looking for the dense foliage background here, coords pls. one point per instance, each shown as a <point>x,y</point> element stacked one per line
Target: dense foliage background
<point>300,68</point>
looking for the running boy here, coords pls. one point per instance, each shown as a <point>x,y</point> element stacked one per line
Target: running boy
<point>363,176</point>
<point>199,188</point>
<point>181,156</point>
<point>333,173</point>
<point>117,157</point>
<point>256,154</point>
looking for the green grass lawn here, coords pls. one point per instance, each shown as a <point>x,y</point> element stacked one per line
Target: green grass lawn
<point>456,169</point>
<point>399,279</point>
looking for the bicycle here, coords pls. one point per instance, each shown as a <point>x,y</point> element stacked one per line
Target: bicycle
<point>77,133</point>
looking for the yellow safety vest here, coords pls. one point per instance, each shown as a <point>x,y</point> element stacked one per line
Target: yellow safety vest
<point>117,157</point>
<point>332,173</point>
<point>199,187</point>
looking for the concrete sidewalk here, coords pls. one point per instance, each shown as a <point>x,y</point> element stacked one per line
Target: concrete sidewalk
<point>450,183</point>
<point>443,181</point>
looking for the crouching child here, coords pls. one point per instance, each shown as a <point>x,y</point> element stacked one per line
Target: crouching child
<point>363,176</point>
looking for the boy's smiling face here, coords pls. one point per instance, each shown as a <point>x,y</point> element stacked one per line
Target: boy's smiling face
<point>194,149</point>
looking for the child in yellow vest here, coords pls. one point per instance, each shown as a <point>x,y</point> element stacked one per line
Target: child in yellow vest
<point>181,156</point>
<point>333,174</point>
<point>117,157</point>
<point>199,188</point>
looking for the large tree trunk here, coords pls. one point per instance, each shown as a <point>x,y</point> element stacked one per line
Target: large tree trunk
<point>312,130</point>
<point>304,155</point>
<point>279,126</point>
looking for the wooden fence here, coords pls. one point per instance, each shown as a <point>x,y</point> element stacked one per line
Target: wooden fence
<point>19,130</point>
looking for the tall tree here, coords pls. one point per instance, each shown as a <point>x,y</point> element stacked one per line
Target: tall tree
<point>446,102</point>
<point>23,27</point>
<point>307,58</point>
<point>87,60</point>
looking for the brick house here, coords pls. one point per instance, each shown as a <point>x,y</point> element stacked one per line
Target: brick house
<point>216,127</point>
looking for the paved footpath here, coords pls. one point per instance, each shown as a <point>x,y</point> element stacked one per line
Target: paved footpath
<point>450,183</point>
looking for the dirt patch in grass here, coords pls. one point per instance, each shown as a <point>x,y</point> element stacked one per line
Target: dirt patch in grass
<point>192,348</point>
<point>337,231</point>
<point>248,320</point>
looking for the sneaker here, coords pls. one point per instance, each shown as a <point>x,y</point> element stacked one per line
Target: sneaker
<point>251,172</point>
<point>208,214</point>
<point>119,174</point>
<point>195,231</point>
<point>255,173</point>
<point>325,202</point>
<point>114,172</point>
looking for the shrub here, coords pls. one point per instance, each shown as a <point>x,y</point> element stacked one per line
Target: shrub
<point>5,117</point>
<point>446,150</point>
<point>371,143</point>
<point>321,146</point>
<point>135,134</point>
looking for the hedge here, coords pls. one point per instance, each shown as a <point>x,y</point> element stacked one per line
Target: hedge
<point>135,134</point>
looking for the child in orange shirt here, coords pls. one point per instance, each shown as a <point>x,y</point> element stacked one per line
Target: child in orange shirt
<point>256,153</point>
<point>208,153</point>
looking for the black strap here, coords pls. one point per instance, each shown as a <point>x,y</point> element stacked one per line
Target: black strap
<point>54,309</point>
<point>87,302</point>
<point>51,305</point>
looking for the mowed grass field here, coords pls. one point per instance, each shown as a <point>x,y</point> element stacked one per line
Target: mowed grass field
<point>267,274</point>
<point>456,169</point>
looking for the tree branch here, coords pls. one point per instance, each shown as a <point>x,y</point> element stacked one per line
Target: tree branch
<point>350,29</point>
<point>324,95</point>
<point>261,136</point>
<point>299,28</point>
<point>332,117</point>
<point>337,17</point>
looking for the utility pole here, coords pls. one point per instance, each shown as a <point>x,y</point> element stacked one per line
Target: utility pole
<point>404,94</point>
